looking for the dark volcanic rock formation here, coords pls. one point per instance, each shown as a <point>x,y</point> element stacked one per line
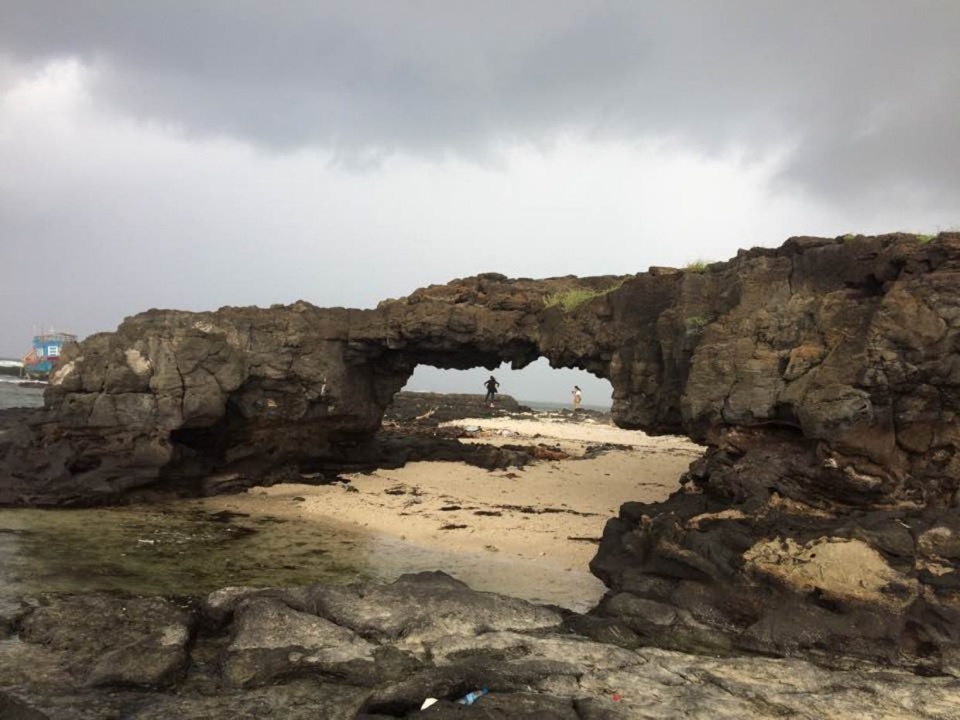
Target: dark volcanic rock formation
<point>378,651</point>
<point>823,375</point>
<point>434,408</point>
<point>412,432</point>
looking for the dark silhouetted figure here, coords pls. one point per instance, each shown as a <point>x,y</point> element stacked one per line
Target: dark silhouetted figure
<point>492,386</point>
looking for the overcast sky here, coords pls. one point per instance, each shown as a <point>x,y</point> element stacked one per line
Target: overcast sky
<point>199,154</point>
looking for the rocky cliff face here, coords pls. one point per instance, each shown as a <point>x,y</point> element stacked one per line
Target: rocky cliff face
<point>823,375</point>
<point>823,518</point>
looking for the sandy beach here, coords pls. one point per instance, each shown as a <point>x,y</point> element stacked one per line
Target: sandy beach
<point>529,531</point>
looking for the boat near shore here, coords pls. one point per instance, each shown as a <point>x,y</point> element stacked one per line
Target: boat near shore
<point>39,362</point>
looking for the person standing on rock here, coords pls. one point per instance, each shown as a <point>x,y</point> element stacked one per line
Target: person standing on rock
<point>577,397</point>
<point>492,386</point>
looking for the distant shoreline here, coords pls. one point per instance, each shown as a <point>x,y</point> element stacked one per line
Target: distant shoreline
<point>10,368</point>
<point>551,406</point>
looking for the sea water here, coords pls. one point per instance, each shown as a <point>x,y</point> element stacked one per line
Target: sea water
<point>557,407</point>
<point>13,393</point>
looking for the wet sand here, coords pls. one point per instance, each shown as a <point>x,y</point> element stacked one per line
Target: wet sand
<point>528,532</point>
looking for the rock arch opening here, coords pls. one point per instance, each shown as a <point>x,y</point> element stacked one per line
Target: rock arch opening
<point>536,385</point>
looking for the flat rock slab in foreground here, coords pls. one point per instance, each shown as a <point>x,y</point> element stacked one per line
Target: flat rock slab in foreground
<point>366,651</point>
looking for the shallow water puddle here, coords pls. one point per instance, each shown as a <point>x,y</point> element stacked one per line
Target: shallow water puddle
<point>181,549</point>
<point>170,549</point>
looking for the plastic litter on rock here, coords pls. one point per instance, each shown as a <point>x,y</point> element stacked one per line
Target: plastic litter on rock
<point>471,697</point>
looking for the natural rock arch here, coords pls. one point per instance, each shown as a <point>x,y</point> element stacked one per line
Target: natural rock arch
<point>823,375</point>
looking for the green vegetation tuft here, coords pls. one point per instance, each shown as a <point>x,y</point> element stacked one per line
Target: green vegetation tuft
<point>570,299</point>
<point>924,238</point>
<point>696,323</point>
<point>849,236</point>
<point>697,266</point>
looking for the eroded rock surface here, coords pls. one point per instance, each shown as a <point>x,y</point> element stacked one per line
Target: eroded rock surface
<point>378,651</point>
<point>107,640</point>
<point>767,548</point>
<point>823,376</point>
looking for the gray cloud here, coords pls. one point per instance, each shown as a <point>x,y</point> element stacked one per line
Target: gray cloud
<point>864,94</point>
<point>200,154</point>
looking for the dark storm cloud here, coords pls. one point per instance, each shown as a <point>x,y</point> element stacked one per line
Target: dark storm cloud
<point>860,92</point>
